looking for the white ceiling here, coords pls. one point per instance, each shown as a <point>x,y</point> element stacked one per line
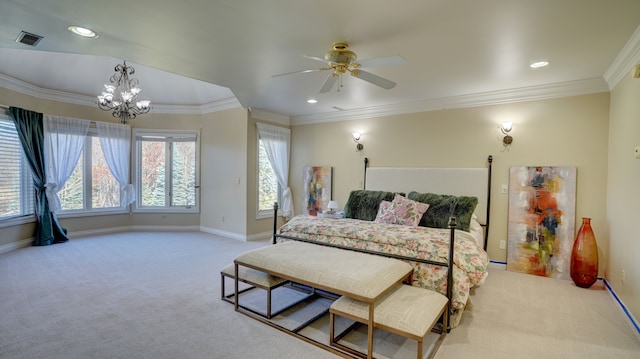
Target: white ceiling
<point>458,53</point>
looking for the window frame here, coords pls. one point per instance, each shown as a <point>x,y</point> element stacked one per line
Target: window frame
<point>87,199</point>
<point>27,191</point>
<point>265,213</point>
<point>137,171</point>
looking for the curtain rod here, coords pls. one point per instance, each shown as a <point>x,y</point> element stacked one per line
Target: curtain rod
<point>4,106</point>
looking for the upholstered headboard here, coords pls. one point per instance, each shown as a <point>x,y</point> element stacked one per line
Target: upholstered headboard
<point>474,182</point>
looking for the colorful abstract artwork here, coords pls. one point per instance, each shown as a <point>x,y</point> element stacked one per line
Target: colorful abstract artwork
<point>541,228</point>
<point>317,189</point>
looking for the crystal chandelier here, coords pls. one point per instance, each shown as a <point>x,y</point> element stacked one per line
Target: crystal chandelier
<point>121,95</point>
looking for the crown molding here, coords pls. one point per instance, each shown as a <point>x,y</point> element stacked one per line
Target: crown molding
<point>626,59</point>
<point>264,115</point>
<point>28,89</point>
<point>541,92</point>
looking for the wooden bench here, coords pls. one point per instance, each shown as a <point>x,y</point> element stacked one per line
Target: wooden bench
<point>254,278</point>
<point>408,311</point>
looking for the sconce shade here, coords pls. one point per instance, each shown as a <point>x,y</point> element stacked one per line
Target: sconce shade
<point>356,136</point>
<point>506,127</point>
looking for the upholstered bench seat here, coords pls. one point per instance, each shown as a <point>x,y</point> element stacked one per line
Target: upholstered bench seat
<point>358,275</point>
<point>406,310</point>
<point>254,278</point>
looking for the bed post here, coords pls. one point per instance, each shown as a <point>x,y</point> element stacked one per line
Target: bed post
<point>366,164</point>
<point>275,222</point>
<point>446,325</point>
<point>486,228</point>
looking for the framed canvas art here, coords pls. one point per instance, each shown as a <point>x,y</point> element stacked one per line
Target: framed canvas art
<point>541,227</point>
<point>317,188</point>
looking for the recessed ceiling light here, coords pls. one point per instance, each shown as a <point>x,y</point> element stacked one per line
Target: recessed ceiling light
<point>312,100</point>
<point>539,64</point>
<point>82,31</point>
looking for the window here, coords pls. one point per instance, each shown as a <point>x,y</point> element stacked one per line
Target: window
<point>268,187</point>
<point>16,187</point>
<point>91,187</point>
<point>166,171</point>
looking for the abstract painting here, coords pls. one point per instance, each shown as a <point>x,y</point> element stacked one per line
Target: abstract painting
<point>317,188</point>
<point>541,228</point>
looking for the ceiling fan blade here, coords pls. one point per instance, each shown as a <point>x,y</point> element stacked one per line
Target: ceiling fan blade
<point>383,61</point>
<point>374,79</point>
<point>301,72</point>
<point>316,58</point>
<point>328,83</point>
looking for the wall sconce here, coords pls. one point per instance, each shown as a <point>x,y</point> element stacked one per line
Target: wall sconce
<point>507,140</point>
<point>356,138</point>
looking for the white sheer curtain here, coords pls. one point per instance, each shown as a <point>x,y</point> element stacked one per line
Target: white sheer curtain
<point>115,140</point>
<point>63,143</point>
<point>276,141</point>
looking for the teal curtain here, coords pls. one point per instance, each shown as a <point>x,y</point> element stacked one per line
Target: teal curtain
<point>30,131</point>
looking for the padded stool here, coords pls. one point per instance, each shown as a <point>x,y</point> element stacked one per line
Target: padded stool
<point>406,310</point>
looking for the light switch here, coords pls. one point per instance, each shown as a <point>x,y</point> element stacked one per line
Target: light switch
<point>636,152</point>
<point>505,189</point>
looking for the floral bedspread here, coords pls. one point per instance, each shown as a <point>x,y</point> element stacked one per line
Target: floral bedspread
<point>470,260</point>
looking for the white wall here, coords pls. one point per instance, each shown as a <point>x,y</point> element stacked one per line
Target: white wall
<point>571,131</point>
<point>223,175</point>
<point>623,193</point>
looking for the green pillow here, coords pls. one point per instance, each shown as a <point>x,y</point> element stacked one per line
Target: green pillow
<point>443,206</point>
<point>364,204</point>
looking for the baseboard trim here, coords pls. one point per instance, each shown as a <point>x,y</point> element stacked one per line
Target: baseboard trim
<point>499,265</point>
<point>625,311</point>
<point>93,232</point>
<point>16,245</point>
<point>264,236</point>
<point>225,234</point>
<point>155,228</point>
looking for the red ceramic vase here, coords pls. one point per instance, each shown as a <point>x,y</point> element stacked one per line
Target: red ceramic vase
<point>584,256</point>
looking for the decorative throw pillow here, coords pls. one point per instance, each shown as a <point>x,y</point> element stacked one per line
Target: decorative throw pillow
<point>364,204</point>
<point>401,211</point>
<point>443,206</point>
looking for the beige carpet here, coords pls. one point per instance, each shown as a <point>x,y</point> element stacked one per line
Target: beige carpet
<point>157,295</point>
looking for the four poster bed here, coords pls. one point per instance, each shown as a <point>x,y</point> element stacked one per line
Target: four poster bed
<point>463,193</point>
<point>411,246</point>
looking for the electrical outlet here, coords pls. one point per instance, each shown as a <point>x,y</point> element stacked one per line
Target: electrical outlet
<point>503,244</point>
<point>623,276</point>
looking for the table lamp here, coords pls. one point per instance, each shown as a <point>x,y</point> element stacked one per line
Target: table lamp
<point>332,206</point>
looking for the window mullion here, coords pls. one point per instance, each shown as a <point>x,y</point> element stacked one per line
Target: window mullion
<point>86,174</point>
<point>169,174</point>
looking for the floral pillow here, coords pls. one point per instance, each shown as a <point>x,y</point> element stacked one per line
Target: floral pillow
<point>401,211</point>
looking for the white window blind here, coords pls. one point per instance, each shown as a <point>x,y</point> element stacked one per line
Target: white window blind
<point>16,187</point>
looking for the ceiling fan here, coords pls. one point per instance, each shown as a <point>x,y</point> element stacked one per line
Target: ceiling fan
<point>341,60</point>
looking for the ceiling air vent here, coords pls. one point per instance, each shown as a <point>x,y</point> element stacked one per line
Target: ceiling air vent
<point>28,38</point>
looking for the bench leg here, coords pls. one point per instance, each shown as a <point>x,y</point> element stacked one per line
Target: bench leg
<point>222,294</point>
<point>269,303</point>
